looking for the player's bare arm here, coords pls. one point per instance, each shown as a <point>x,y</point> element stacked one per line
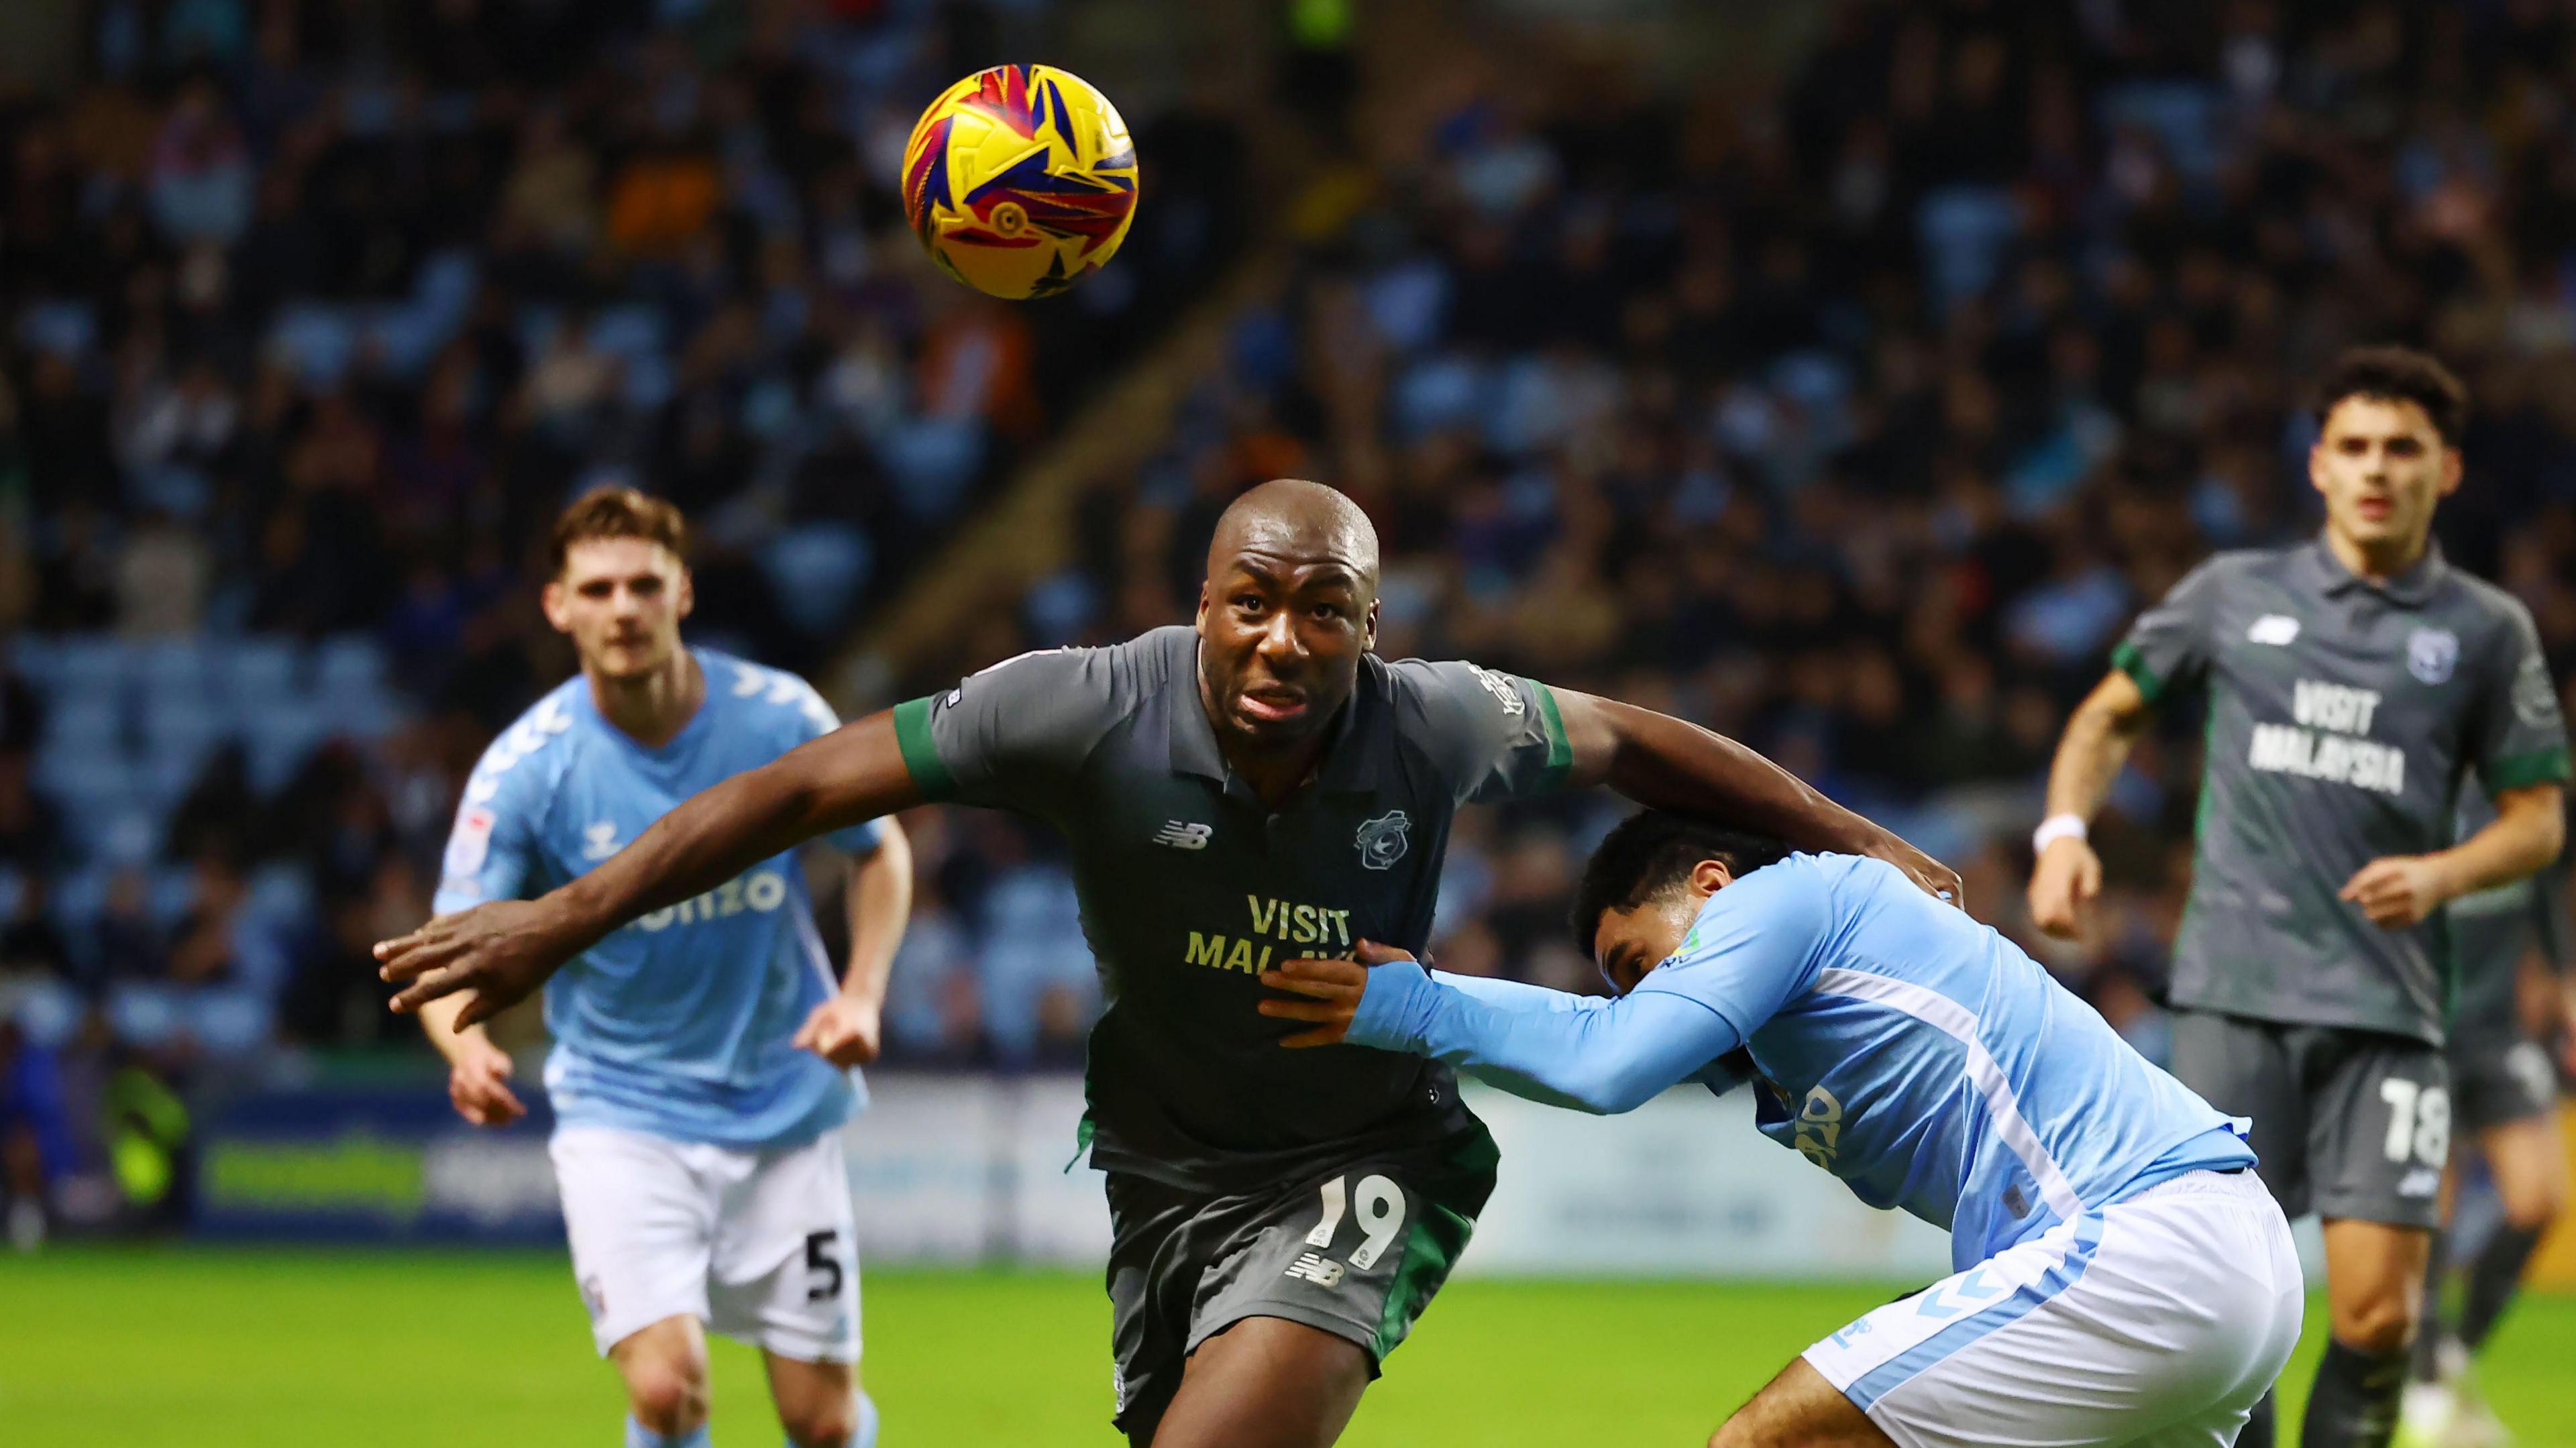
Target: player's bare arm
<point>845,1030</point>
<point>1666,763</point>
<point>503,950</point>
<point>2398,891</point>
<point>478,1072</point>
<point>2067,873</point>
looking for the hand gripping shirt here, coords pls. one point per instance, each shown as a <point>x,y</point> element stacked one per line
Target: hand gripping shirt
<point>677,1024</point>
<point>1190,885</point>
<point>1894,1041</point>
<point>2343,718</point>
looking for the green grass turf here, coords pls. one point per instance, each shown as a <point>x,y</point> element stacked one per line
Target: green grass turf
<point>196,1348</point>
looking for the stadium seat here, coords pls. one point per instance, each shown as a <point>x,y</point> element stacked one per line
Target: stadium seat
<point>277,742</point>
<point>931,461</point>
<point>176,668</point>
<point>258,675</point>
<point>91,666</point>
<point>315,341</point>
<point>281,896</point>
<point>817,571</point>
<point>348,662</point>
<point>81,725</point>
<point>49,1011</point>
<point>66,329</point>
<point>37,659</point>
<point>78,897</point>
<point>173,889</point>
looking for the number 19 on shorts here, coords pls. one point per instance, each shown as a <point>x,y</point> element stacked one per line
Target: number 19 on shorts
<point>2419,1121</point>
<point>1380,1210</point>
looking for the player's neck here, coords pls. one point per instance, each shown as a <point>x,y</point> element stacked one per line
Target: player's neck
<point>2377,563</point>
<point>653,707</point>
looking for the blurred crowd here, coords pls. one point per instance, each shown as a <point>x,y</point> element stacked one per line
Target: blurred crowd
<point>314,312</point>
<point>1849,406</point>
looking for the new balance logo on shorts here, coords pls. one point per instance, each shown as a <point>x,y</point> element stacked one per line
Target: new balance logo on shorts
<point>1320,1270</point>
<point>1182,835</point>
<point>2423,1181</point>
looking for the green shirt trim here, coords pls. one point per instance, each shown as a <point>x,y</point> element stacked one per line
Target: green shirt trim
<point>2520,771</point>
<point>2131,660</point>
<point>920,753</point>
<point>1560,750</point>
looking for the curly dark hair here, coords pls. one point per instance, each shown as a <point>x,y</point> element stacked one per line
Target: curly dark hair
<point>2399,374</point>
<point>1651,852</point>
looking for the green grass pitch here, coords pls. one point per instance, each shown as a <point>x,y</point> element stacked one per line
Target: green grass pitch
<point>197,1348</point>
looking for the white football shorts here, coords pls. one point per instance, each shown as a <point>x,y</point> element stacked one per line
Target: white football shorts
<point>2159,1320</point>
<point>758,1245</point>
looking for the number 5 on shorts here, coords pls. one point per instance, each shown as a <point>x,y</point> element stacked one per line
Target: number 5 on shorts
<point>820,1261</point>
<point>2419,1121</point>
<point>1381,1204</point>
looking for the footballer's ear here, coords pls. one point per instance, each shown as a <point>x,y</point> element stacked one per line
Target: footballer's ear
<point>552,600</point>
<point>1368,628</point>
<point>1710,876</point>
<point>688,598</point>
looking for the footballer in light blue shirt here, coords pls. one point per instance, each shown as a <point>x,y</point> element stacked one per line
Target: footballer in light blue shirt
<point>703,1053</point>
<point>1932,1066</point>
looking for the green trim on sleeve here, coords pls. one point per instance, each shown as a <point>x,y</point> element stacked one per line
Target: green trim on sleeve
<point>2131,660</point>
<point>1560,750</point>
<point>920,754</point>
<point>2520,771</point>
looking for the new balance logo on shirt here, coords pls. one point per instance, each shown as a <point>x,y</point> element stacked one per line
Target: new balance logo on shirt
<point>2277,629</point>
<point>1311,1267</point>
<point>1182,835</point>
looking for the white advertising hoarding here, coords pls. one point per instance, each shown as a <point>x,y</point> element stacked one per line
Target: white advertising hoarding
<point>973,1169</point>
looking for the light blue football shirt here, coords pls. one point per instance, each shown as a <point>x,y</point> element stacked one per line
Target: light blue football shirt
<point>1902,1046</point>
<point>677,1024</point>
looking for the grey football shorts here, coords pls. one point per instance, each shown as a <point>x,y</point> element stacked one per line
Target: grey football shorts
<point>1357,1252</point>
<point>2348,1123</point>
<point>2500,1078</point>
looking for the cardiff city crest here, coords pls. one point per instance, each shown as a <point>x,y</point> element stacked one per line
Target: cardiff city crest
<point>2431,654</point>
<point>1382,840</point>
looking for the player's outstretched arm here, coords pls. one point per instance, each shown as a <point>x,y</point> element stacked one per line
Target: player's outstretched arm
<point>847,1030</point>
<point>1667,763</point>
<point>2067,874</point>
<point>1607,1057</point>
<point>503,950</point>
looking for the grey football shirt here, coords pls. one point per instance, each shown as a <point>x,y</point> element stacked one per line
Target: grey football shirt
<point>2343,718</point>
<point>2490,931</point>
<point>1190,885</point>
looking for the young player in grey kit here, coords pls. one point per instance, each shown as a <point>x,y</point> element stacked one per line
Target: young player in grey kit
<point>1257,788</point>
<point>2352,682</point>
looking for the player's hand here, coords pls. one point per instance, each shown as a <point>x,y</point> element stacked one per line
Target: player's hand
<point>478,1083</point>
<point>2398,891</point>
<point>1938,880</point>
<point>2063,883</point>
<point>1331,991</point>
<point>499,952</point>
<point>844,1031</point>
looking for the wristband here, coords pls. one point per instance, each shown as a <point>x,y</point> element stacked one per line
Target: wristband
<point>2054,828</point>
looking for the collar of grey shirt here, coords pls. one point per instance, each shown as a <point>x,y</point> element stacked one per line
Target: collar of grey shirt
<point>2412,588</point>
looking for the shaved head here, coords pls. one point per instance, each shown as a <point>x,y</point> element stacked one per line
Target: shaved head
<point>1291,518</point>
<point>1287,612</point>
